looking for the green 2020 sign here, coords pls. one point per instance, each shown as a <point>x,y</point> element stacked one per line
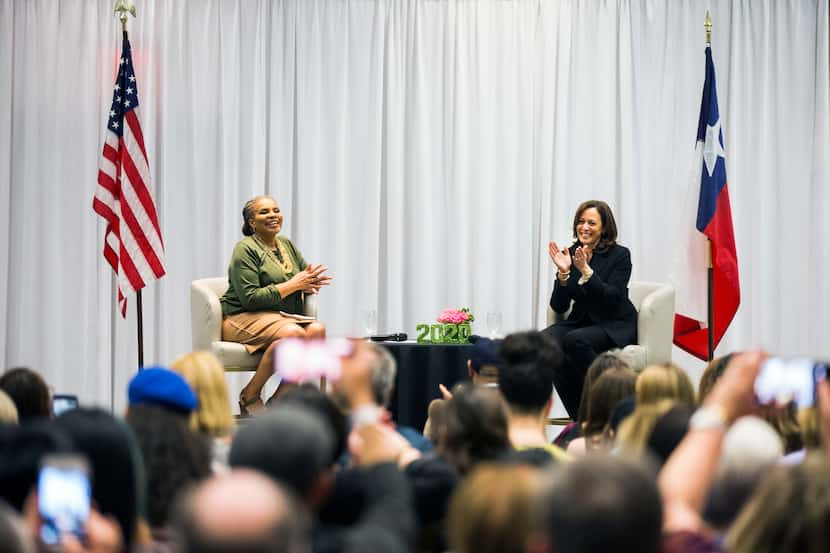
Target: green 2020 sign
<point>443,333</point>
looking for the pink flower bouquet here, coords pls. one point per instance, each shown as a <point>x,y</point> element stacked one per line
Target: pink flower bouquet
<point>456,316</point>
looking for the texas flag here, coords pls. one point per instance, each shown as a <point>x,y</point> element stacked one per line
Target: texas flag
<point>712,220</point>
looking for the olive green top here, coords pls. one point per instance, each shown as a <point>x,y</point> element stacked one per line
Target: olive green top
<point>252,275</point>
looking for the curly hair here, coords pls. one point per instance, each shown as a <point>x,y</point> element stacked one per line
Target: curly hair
<point>174,457</point>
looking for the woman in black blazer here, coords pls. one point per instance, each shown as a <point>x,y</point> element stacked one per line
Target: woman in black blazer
<point>592,274</point>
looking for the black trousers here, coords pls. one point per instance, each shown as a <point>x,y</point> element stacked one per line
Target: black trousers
<point>581,345</point>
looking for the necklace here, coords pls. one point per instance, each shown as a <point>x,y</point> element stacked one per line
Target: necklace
<point>285,262</point>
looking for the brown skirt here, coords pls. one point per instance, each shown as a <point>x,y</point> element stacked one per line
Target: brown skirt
<point>255,330</point>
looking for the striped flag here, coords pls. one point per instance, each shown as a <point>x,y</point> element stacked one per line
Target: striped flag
<point>709,217</point>
<point>132,243</point>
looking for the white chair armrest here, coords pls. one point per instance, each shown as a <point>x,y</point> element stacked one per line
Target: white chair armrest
<point>655,324</point>
<point>206,312</point>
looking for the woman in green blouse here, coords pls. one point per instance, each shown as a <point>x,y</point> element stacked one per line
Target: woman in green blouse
<point>268,280</point>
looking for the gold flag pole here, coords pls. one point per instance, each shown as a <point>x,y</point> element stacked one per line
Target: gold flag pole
<point>707,24</point>
<point>123,7</point>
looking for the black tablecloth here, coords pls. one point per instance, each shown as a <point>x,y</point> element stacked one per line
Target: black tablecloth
<point>421,368</point>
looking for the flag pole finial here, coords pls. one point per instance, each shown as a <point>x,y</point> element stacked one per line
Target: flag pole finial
<point>707,24</point>
<point>123,7</point>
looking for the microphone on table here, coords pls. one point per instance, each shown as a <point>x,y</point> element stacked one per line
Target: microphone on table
<point>397,337</point>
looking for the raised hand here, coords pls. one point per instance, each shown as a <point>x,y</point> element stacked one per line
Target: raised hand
<point>734,392</point>
<point>582,256</point>
<point>560,258</point>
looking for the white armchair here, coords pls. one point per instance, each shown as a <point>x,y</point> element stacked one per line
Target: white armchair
<point>206,325</point>
<point>654,303</point>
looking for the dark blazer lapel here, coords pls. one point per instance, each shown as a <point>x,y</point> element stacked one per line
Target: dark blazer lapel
<point>599,262</point>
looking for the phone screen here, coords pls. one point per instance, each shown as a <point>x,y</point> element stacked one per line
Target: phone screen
<point>63,498</point>
<point>300,361</point>
<point>784,380</point>
<point>62,403</point>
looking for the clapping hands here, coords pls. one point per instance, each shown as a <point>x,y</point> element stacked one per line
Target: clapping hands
<point>312,279</point>
<point>561,258</point>
<point>582,256</point>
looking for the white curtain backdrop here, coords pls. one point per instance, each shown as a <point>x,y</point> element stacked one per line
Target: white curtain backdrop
<point>425,150</point>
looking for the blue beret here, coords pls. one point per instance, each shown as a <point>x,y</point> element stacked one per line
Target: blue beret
<point>161,386</point>
<point>485,352</point>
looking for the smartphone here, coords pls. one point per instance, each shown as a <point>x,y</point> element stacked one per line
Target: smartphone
<point>781,381</point>
<point>63,493</point>
<point>298,360</point>
<point>62,403</point>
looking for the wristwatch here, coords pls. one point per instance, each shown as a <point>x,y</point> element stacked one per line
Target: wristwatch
<point>708,417</point>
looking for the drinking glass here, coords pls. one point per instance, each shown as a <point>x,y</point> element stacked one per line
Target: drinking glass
<point>370,322</point>
<point>494,324</point>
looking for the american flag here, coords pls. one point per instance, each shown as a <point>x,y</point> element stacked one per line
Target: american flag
<point>132,242</point>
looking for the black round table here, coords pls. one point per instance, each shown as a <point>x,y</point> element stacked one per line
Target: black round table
<point>421,368</point>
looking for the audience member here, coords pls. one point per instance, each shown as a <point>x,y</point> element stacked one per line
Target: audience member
<point>599,503</point>
<point>612,359</point>
<point>621,411</point>
<point>750,449</point>
<point>810,428</point>
<point>686,477</point>
<point>668,431</point>
<point>309,396</point>
<point>21,450</point>
<point>634,432</point>
<point>789,512</point>
<point>483,369</point>
<point>116,468</point>
<point>485,361</point>
<point>666,381</point>
<point>474,430</point>
<point>161,402</point>
<point>8,411</point>
<point>607,391</point>
<point>239,512</point>
<point>174,458</point>
<point>293,445</point>
<point>366,390</point>
<point>784,419</point>
<point>29,393</point>
<point>526,384</point>
<point>493,510</point>
<point>212,418</point>
<point>713,371</point>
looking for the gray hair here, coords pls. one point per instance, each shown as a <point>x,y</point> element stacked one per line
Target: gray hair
<point>248,213</point>
<point>635,360</point>
<point>383,372</point>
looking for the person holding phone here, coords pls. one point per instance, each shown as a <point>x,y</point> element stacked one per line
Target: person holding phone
<point>592,277</point>
<point>268,281</point>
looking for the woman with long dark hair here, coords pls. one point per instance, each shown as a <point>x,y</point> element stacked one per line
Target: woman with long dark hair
<point>592,277</point>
